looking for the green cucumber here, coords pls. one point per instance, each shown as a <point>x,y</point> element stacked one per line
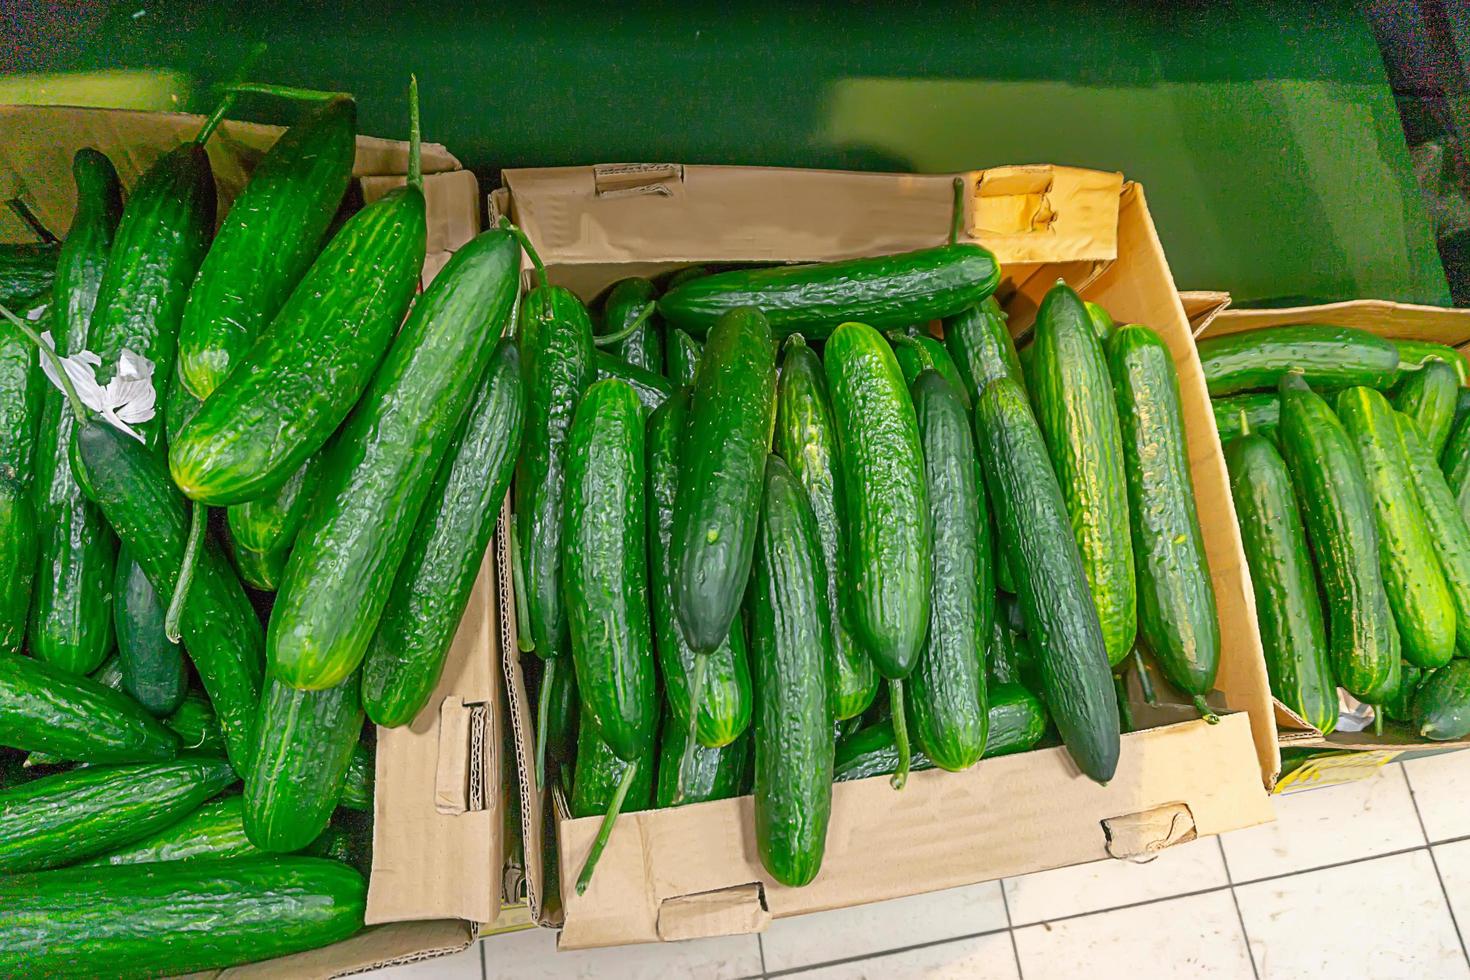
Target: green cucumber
<point>683,358</point>
<point>406,656</point>
<point>605,570</point>
<point>359,780</point>
<point>1400,707</point>
<point>261,570</point>
<point>215,830</point>
<point>1455,461</point>
<point>1414,354</point>
<point>270,524</point>
<point>197,726</point>
<point>20,411</point>
<point>686,274</point>
<point>1417,594</point>
<point>885,291</point>
<point>791,643</point>
<point>718,497</point>
<point>1262,411</point>
<point>153,669</point>
<point>27,270</point>
<point>1462,407</point>
<point>917,352</point>
<point>806,438</point>
<point>981,347</point>
<point>1449,534</point>
<point>1329,357</point>
<point>562,707</point>
<point>713,774</point>
<point>1061,621</point>
<point>1441,706</point>
<point>652,389</point>
<point>69,816</point>
<point>1102,321</point>
<point>599,772</point>
<point>624,303</point>
<point>266,243</point>
<point>1336,503</point>
<point>1428,396</point>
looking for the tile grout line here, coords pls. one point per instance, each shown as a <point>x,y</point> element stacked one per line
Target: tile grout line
<point>1011,930</point>
<point>1434,861</point>
<point>886,952</point>
<point>760,945</point>
<point>484,970</point>
<point>1250,953</point>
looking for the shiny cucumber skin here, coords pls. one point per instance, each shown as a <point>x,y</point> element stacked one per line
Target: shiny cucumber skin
<point>563,713</point>
<point>340,573</point>
<point>684,353</point>
<point>295,779</point>
<point>20,414</point>
<point>270,524</point>
<point>215,914</point>
<point>1329,357</point>
<point>1056,605</point>
<point>1069,386</point>
<point>889,538</point>
<point>220,628</point>
<point>724,704</point>
<point>153,669</point>
<point>26,271</point>
<point>1262,412</point>
<point>557,358</point>
<point>1400,707</point>
<point>1441,707</point>
<point>790,645</point>
<point>1417,594</point>
<point>359,780</point>
<point>1414,354</point>
<point>72,815</point>
<point>215,830</point>
<point>1102,321</point>
<point>197,726</point>
<point>885,291</point>
<point>946,691</point>
<point>605,570</point>
<point>261,570</point>
<point>652,389</point>
<point>1449,533</point>
<point>266,243</point>
<point>644,348</point>
<point>714,774</point>
<point>917,352</point>
<point>981,347</point>
<point>1428,396</point>
<point>1455,462</point>
<point>806,438</point>
<point>1288,603</point>
<point>724,453</point>
<point>1337,506</point>
<point>406,656</point>
<point>273,411</point>
<point>44,708</point>
<point>598,771</point>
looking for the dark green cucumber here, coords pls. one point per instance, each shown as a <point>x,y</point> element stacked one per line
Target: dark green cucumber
<point>1102,321</point>
<point>884,291</point>
<point>1449,534</point>
<point>556,355</point>
<point>713,774</point>
<point>352,847</point>
<point>296,777</point>
<point>724,702</point>
<point>1330,357</point>
<point>273,412</point>
<point>889,539</point>
<point>1417,594</point>
<point>806,438</point>
<point>872,751</point>
<point>261,570</point>
<point>1400,707</point>
<point>624,303</point>
<point>197,726</point>
<point>1414,354</point>
<point>790,645</point>
<point>270,524</point>
<point>266,243</point>
<point>1462,407</point>
<point>20,414</point>
<point>1262,412</point>
<point>220,628</point>
<point>652,389</point>
<point>1288,604</point>
<point>686,274</point>
<point>720,475</point>
<point>69,816</point>
<point>917,352</point>
<point>946,691</point>
<point>215,914</point>
<point>605,570</point>
<point>1061,620</point>
<point>389,450</point>
<point>563,707</point>
<point>432,588</point>
<point>1002,662</point>
<point>598,772</point>
<point>1455,461</point>
<point>1441,706</point>
<point>358,782</point>
<point>153,669</point>
<point>44,708</point>
<point>683,357</point>
<point>1336,503</point>
<point>1069,387</point>
<point>1428,396</point>
<point>215,830</point>
<point>981,346</point>
<point>27,270</point>
<point>1177,618</point>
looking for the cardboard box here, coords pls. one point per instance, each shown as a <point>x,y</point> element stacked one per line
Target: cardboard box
<point>694,871</point>
<point>437,855</point>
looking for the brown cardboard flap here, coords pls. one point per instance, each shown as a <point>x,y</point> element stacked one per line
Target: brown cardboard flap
<point>1396,321</point>
<point>733,911</point>
<point>1202,306</point>
<point>371,949</point>
<point>1141,836</point>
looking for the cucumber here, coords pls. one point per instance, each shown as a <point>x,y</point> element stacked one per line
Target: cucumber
<point>719,488</point>
<point>1262,412</point>
<point>1441,706</point>
<point>556,355</point>
<point>625,301</point>
<point>69,816</point>
<point>1102,321</point>
<point>1177,618</point>
<point>1428,396</point>
<point>27,271</point>
<point>885,291</point>
<point>262,571</point>
<point>1455,461</point>
<point>1462,407</point>
<point>20,411</point>
<point>652,389</point>
<point>296,777</point>
<point>214,914</point>
<point>432,588</point>
<point>1329,357</point>
<point>153,670</point>
<point>1288,604</point>
<point>724,702</point>
<point>917,352</point>
<point>358,782</point>
<point>44,708</point>
<point>686,274</point>
<point>1448,532</point>
<point>605,570</point>
<point>1400,706</point>
<point>1417,594</point>
<point>599,772</point>
<point>71,614</point>
<point>1069,386</point>
<point>1414,354</point>
<point>946,691</point>
<point>563,706</point>
<point>1336,503</point>
<point>683,358</point>
<point>806,438</point>
<point>981,347</point>
<point>266,243</point>
<point>270,524</point>
<point>197,726</point>
<point>1061,620</point>
<point>713,774</point>
<point>791,643</point>
<point>386,456</point>
<point>215,830</point>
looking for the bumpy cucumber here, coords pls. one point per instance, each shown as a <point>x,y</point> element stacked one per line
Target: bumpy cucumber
<point>1260,410</point>
<point>918,352</point>
<point>1448,531</point>
<point>982,347</point>
<point>713,774</point>
<point>215,830</point>
<point>269,525</point>
<point>1414,354</point>
<point>27,271</point>
<point>153,669</point>
<point>683,358</point>
<point>1441,706</point>
<point>1428,396</point>
<point>625,302</point>
<point>651,388</point>
<point>20,411</point>
<point>599,772</point>
<point>1330,357</point>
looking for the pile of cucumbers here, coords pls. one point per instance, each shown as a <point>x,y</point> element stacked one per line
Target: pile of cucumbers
<point>1349,458</point>
<point>205,601</point>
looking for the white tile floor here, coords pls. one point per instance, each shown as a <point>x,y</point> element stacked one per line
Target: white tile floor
<point>1370,879</point>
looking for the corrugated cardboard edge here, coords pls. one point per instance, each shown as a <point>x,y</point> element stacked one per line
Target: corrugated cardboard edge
<point>1202,306</point>
<point>371,949</point>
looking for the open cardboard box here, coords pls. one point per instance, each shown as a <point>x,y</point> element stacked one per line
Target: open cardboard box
<point>437,843</point>
<point>694,871</point>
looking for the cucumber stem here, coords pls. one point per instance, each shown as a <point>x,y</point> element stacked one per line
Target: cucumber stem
<point>543,717</point>
<point>215,118</point>
<point>198,520</point>
<point>607,340</point>
<point>605,831</point>
<point>1378,719</point>
<point>900,734</point>
<point>1204,710</point>
<point>1125,713</point>
<point>524,642</point>
<point>79,409</point>
<point>1245,424</point>
<point>525,241</point>
<point>696,693</point>
<point>957,213</point>
<point>286,92</point>
<point>1145,682</point>
<point>415,149</point>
